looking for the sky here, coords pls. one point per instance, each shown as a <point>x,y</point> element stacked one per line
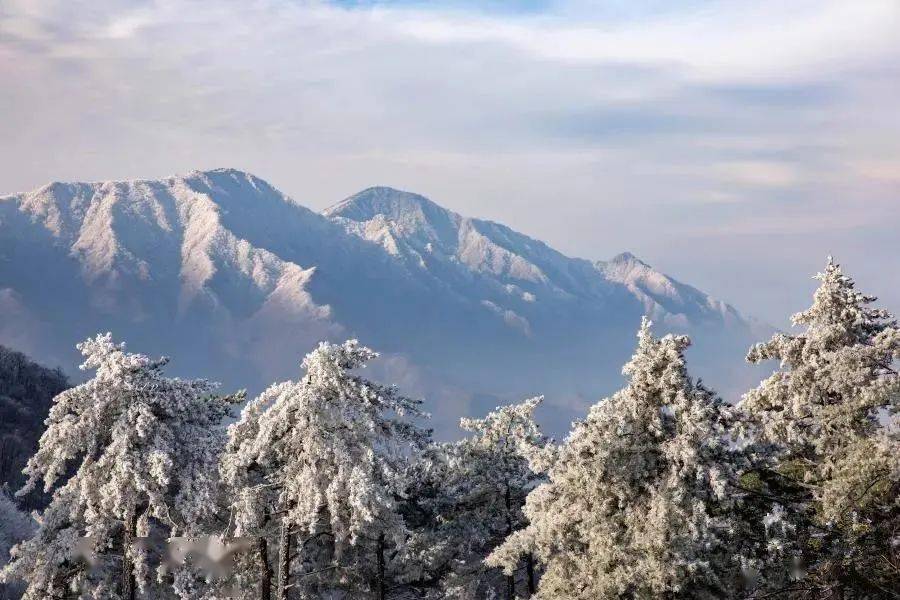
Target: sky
<point>733,145</point>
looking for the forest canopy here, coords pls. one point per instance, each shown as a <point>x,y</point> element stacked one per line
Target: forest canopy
<point>331,486</point>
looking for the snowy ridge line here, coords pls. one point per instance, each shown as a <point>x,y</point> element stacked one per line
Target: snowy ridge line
<point>237,279</point>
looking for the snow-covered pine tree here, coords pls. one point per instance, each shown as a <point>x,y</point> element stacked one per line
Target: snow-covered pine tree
<point>826,410</point>
<point>471,493</point>
<point>144,449</point>
<point>15,526</point>
<point>323,460</point>
<point>253,492</point>
<point>637,501</point>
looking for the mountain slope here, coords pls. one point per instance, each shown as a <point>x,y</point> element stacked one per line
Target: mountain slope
<point>26,393</point>
<point>236,281</point>
<point>436,241</point>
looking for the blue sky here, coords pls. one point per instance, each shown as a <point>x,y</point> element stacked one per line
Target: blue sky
<point>732,144</point>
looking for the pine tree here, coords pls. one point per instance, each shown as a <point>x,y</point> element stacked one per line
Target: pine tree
<point>472,493</point>
<point>836,463</point>
<point>323,460</point>
<point>637,501</point>
<point>144,449</point>
<point>15,526</point>
<point>27,390</point>
<point>253,504</point>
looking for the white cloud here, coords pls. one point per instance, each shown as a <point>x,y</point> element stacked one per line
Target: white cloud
<point>759,173</point>
<point>593,132</point>
<point>130,24</point>
<point>727,41</point>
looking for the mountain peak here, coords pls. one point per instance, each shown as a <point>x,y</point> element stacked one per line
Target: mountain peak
<point>238,174</point>
<point>229,176</point>
<point>396,205</point>
<point>385,213</point>
<point>627,258</point>
<point>224,171</point>
<point>237,280</point>
<point>220,172</point>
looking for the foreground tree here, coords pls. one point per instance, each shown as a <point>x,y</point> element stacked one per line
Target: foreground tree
<point>143,448</point>
<point>471,495</point>
<point>836,466</point>
<point>325,459</point>
<point>638,499</point>
<point>15,526</point>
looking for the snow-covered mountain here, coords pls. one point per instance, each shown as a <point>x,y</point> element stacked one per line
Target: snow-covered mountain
<point>236,281</point>
<point>513,268</point>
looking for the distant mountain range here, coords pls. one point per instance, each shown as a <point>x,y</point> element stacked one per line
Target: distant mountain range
<point>236,281</point>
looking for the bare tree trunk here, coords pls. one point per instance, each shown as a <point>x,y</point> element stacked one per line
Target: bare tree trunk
<point>265,572</point>
<point>129,585</point>
<point>529,571</point>
<point>382,588</point>
<point>284,559</point>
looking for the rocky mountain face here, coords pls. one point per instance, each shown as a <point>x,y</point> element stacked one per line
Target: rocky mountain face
<point>236,281</point>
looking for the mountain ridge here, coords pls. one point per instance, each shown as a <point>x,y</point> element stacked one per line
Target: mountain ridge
<point>236,280</point>
<point>623,268</point>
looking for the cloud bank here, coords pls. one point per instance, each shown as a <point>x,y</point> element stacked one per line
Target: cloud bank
<point>731,144</point>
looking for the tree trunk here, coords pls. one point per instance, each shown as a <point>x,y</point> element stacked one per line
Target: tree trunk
<point>380,584</point>
<point>129,585</point>
<point>510,579</point>
<point>284,559</point>
<point>65,583</point>
<point>265,572</point>
<point>529,570</point>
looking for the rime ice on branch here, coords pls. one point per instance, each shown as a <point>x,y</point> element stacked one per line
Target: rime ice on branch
<point>468,497</point>
<point>143,450</point>
<point>835,456</point>
<point>637,499</point>
<point>324,461</point>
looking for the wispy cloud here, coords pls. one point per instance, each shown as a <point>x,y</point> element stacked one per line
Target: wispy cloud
<point>720,41</point>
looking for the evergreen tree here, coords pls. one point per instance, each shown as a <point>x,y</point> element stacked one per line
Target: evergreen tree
<point>15,526</point>
<point>324,459</point>
<point>27,390</point>
<point>836,462</point>
<point>144,448</point>
<point>472,493</point>
<point>638,498</point>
